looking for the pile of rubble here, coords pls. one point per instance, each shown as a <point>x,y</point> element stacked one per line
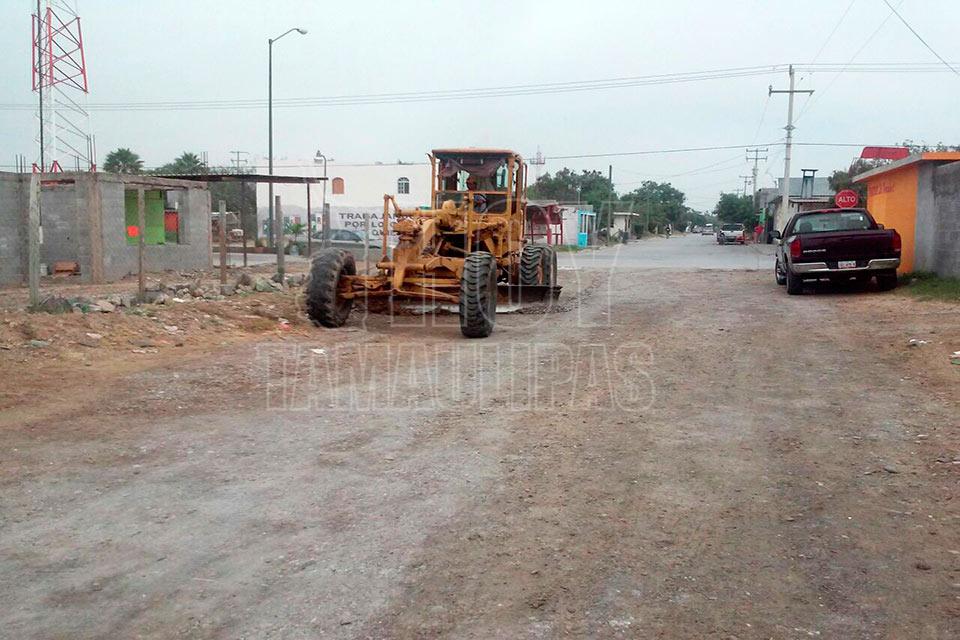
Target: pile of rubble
<point>157,292</point>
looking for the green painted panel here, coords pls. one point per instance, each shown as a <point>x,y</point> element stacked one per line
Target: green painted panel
<point>156,234</point>
<point>153,217</point>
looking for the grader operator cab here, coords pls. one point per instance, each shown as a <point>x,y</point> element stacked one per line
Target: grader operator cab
<point>463,250</point>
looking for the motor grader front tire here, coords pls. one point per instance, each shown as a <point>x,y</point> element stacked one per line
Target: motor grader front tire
<point>538,265</point>
<point>478,295</point>
<point>324,307</point>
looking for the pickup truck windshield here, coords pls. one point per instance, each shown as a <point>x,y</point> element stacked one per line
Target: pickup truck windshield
<point>828,222</point>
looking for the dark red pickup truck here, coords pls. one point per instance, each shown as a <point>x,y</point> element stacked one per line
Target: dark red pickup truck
<point>839,245</point>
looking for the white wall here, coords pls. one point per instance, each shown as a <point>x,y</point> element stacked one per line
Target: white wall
<point>364,188</point>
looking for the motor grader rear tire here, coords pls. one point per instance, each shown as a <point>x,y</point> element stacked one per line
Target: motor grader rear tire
<point>324,307</point>
<point>538,265</point>
<point>478,295</point>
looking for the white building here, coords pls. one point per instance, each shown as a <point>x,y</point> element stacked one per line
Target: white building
<point>353,192</point>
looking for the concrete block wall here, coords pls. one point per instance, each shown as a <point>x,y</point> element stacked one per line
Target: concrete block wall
<point>925,230</point>
<point>192,252</point>
<point>84,220</point>
<point>61,228</point>
<point>937,232</point>
<point>946,243</point>
<point>14,195</point>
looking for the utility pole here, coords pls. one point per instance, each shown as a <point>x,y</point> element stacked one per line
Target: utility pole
<point>610,178</point>
<point>779,217</point>
<point>746,181</point>
<point>278,235</point>
<point>237,160</point>
<point>33,239</point>
<point>222,233</point>
<point>39,24</point>
<point>754,154</point>
<point>141,243</point>
<point>309,224</point>
<point>324,210</point>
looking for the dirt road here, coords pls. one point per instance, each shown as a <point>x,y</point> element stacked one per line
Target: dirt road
<point>669,454</point>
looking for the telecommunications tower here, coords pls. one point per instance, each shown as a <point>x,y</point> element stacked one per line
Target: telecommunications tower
<point>59,67</point>
<point>538,161</point>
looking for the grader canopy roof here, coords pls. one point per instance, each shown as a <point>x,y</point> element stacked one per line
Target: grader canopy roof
<point>477,162</point>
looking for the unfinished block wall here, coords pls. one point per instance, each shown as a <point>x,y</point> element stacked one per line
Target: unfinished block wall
<point>13,206</point>
<point>938,220</point>
<point>84,221</point>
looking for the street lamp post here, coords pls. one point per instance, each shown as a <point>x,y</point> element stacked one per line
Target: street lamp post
<point>271,225</point>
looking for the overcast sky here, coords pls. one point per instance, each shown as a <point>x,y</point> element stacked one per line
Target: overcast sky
<point>140,51</point>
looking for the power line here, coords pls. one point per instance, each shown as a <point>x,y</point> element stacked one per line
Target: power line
<point>585,156</point>
<point>763,114</point>
<point>809,102</point>
<point>440,95</point>
<point>834,30</point>
<point>646,152</point>
<point>495,92</point>
<point>919,37</point>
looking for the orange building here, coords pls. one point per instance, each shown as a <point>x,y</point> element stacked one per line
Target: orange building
<point>892,196</point>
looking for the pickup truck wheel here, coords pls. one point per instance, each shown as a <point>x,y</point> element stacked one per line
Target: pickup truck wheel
<point>794,284</point>
<point>887,280</point>
<point>778,273</point>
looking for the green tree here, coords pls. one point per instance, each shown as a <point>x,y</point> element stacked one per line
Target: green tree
<point>594,189</point>
<point>922,147</point>
<point>659,203</point>
<point>295,229</point>
<point>843,179</point>
<point>735,208</point>
<point>123,160</point>
<point>187,163</point>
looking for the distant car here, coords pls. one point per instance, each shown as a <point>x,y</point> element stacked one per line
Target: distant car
<point>346,238</point>
<point>731,232</point>
<point>837,244</point>
<point>706,229</point>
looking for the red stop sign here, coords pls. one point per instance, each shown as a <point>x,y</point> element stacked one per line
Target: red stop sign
<point>846,199</point>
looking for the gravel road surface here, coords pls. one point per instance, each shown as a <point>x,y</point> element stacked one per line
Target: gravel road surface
<point>676,450</point>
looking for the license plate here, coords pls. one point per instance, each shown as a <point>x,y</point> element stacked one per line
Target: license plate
<point>847,264</point>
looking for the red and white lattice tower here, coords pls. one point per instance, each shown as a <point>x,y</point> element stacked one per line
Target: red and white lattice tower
<point>60,79</point>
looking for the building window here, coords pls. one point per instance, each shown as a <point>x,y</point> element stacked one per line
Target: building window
<point>403,185</point>
<point>338,186</point>
<point>154,217</point>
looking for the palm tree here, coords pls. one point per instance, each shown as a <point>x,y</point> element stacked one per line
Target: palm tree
<point>295,229</point>
<point>186,163</point>
<point>123,161</point>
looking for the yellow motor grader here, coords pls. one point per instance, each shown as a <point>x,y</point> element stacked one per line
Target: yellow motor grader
<point>466,249</point>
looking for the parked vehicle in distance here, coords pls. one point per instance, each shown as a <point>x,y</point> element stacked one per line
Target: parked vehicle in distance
<point>730,232</point>
<point>706,229</point>
<point>345,238</point>
<point>836,244</point>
